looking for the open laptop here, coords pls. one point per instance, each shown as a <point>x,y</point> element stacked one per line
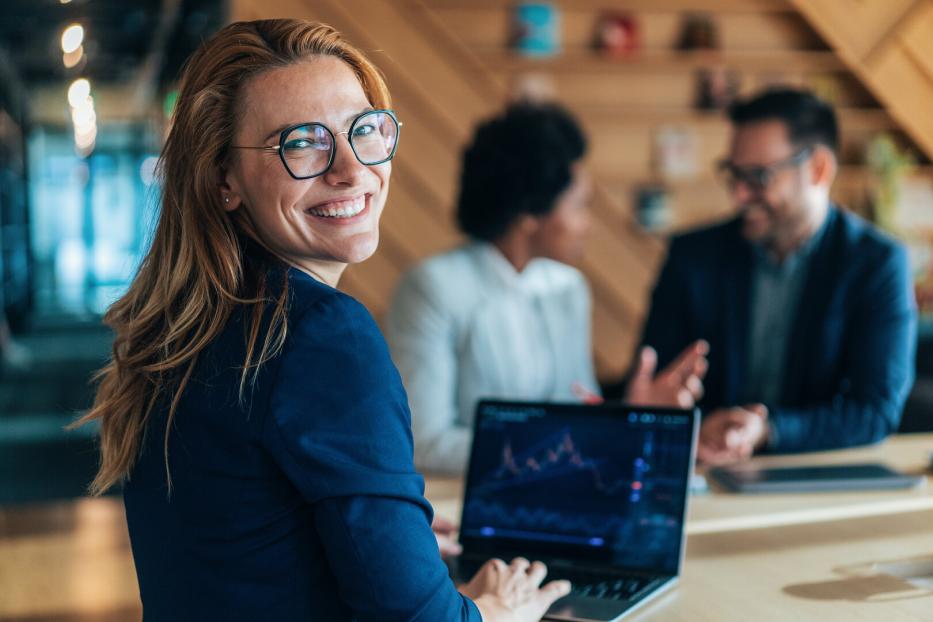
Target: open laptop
<point>597,492</point>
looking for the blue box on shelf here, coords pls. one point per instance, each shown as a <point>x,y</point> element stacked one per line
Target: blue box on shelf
<point>536,29</point>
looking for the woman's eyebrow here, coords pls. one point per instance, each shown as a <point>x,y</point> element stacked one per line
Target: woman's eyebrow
<point>277,131</point>
<point>350,118</point>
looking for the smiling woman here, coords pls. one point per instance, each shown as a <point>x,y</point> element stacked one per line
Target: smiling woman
<point>250,409</point>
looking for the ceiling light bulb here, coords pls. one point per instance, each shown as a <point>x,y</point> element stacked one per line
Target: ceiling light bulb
<point>72,38</point>
<point>78,92</point>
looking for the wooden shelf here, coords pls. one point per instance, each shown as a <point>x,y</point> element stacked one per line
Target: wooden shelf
<point>849,117</point>
<point>848,174</point>
<point>654,6</point>
<point>590,61</point>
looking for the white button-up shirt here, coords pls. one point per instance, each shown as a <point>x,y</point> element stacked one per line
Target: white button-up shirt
<point>466,326</point>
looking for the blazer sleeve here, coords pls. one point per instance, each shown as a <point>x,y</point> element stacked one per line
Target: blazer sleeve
<point>879,368</point>
<point>338,426</point>
<point>422,337</point>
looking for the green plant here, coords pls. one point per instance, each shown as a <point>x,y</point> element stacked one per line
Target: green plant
<point>889,165</point>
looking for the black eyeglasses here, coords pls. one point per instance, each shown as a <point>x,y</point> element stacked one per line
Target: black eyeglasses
<point>308,149</point>
<point>759,177</point>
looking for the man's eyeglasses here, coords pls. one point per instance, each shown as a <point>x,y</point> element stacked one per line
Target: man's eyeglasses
<point>308,149</point>
<point>759,177</point>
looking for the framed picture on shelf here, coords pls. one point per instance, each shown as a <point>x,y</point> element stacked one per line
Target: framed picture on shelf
<point>676,152</point>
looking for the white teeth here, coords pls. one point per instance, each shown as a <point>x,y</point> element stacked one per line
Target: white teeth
<point>347,209</point>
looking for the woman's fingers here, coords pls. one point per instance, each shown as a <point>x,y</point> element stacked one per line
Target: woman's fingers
<point>519,569</point>
<point>443,526</point>
<point>497,565</point>
<point>551,592</point>
<point>447,546</point>
<point>536,573</point>
<point>688,362</point>
<point>695,386</point>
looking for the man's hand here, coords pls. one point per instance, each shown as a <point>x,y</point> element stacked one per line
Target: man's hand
<point>680,385</point>
<point>444,530</point>
<point>732,434</point>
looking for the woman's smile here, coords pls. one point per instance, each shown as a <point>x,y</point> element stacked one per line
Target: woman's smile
<point>342,210</point>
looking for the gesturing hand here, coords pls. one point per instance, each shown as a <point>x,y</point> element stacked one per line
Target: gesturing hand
<point>679,385</point>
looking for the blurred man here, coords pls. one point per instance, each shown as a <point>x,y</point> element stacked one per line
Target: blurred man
<point>808,310</point>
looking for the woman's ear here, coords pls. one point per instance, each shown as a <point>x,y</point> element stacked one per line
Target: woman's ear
<point>227,187</point>
<point>528,224</point>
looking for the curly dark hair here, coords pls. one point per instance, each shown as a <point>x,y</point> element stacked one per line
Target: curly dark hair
<point>518,163</point>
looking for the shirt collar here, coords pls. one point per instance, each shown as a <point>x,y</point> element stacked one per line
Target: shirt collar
<point>530,280</point>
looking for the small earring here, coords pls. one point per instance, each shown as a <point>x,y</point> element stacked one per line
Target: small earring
<point>226,199</point>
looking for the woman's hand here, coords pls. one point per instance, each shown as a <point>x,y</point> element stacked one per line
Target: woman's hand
<point>512,592</point>
<point>445,531</point>
<point>679,385</point>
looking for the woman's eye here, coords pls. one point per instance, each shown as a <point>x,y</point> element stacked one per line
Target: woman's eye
<point>364,130</point>
<point>304,143</point>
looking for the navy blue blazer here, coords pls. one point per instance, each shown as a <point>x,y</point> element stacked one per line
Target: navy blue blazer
<point>299,502</point>
<point>849,366</point>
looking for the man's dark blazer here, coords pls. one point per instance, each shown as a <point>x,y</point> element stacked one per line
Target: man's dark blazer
<point>849,362</point>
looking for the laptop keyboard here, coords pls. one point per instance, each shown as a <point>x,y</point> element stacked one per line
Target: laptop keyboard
<point>598,585</point>
<point>591,583</point>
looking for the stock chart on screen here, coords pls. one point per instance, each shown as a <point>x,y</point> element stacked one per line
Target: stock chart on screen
<point>612,481</point>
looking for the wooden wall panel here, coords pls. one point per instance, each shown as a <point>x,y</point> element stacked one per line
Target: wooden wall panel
<point>860,24</point>
<point>887,45</point>
<point>917,38</point>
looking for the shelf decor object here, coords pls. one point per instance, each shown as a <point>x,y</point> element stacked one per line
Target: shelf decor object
<point>716,87</point>
<point>699,32</point>
<point>536,29</point>
<point>676,152</point>
<point>652,207</point>
<point>618,35</point>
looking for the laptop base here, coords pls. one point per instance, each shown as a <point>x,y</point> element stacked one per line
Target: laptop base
<point>574,608</point>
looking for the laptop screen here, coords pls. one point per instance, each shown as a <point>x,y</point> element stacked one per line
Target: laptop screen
<point>603,483</point>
